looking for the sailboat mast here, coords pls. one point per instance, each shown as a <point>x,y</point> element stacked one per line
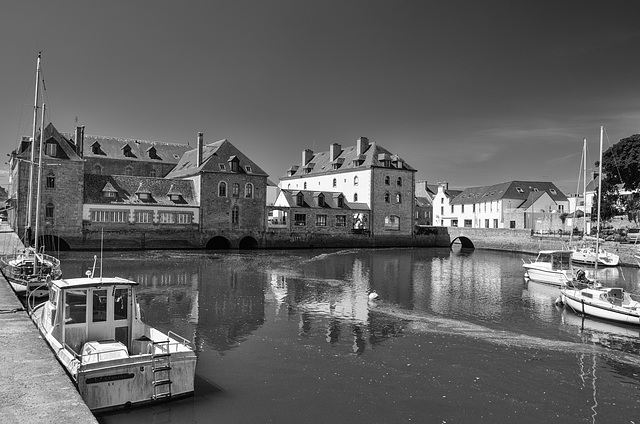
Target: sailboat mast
<point>33,150</point>
<point>35,244</point>
<point>584,186</point>
<point>599,197</point>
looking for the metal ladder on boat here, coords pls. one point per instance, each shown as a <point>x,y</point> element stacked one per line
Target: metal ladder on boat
<point>161,366</point>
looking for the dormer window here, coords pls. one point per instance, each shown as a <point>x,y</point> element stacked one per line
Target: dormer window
<point>222,167</point>
<point>109,192</point>
<point>553,191</point>
<point>175,197</point>
<point>51,149</point>
<point>340,201</point>
<point>153,154</point>
<point>144,195</point>
<point>233,163</point>
<point>247,168</point>
<point>96,149</point>
<point>126,151</point>
<point>300,199</point>
<point>321,200</point>
<point>535,189</point>
<point>519,190</point>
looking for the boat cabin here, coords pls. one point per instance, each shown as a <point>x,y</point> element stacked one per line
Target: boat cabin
<point>558,259</point>
<point>92,309</point>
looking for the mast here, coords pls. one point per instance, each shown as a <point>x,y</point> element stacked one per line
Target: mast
<point>35,243</point>
<point>33,152</point>
<point>584,187</point>
<point>599,201</point>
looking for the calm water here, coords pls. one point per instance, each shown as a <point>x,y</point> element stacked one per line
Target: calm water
<point>289,336</point>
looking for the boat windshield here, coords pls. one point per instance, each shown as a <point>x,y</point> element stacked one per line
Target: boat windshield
<point>562,260</point>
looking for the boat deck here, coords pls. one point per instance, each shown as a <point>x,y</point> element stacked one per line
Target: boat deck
<point>35,388</point>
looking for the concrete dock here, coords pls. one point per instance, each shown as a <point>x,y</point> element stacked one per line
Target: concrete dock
<point>34,387</point>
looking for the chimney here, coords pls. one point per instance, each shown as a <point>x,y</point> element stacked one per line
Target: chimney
<point>444,185</point>
<point>307,154</point>
<point>80,141</point>
<point>199,143</point>
<point>334,151</point>
<point>362,145</point>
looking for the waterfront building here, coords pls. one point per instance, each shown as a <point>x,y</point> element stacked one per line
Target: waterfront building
<point>424,196</point>
<point>367,175</point>
<point>513,204</point>
<point>442,209</point>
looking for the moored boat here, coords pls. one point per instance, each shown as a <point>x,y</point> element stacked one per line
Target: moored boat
<point>588,255</point>
<point>550,267</point>
<point>27,270</point>
<point>610,303</point>
<point>94,328</point>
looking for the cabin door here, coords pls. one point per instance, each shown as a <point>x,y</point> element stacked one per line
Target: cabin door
<point>110,311</point>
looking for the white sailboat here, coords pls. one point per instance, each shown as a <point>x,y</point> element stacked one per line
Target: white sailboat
<point>609,303</point>
<point>588,254</point>
<point>27,268</point>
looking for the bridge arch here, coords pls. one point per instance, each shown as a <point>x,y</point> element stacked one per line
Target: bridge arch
<point>218,243</point>
<point>248,243</point>
<point>464,241</point>
<point>53,243</point>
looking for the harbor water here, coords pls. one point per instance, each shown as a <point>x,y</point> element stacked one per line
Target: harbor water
<point>453,337</point>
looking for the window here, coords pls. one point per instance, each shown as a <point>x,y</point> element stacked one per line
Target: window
<point>221,166</point>
<point>355,197</point>
<point>234,166</point>
<point>321,201</point>
<point>552,190</point>
<point>144,196</point>
<point>386,197</point>
<point>222,189</point>
<point>300,219</point>
<point>454,222</point>
<point>560,208</point>
<point>486,223</point>
<point>126,150</point>
<point>128,170</point>
<point>387,180</point>
<point>235,190</point>
<point>48,211</point>
<point>51,149</point>
<point>451,208</point>
<point>304,186</point>
<point>184,218</point>
<point>95,149</point>
<point>167,218</point>
<point>340,201</point>
<point>392,222</point>
<point>51,180</point>
<point>468,223</point>
<point>248,190</point>
<point>152,173</point>
<point>109,216</point>
<point>97,169</point>
<point>143,217</point>
<point>519,190</point>
<point>75,307</point>
<point>341,220</point>
<point>335,183</point>
<point>235,215</point>
<point>247,168</point>
<point>461,208</point>
<point>495,223</point>
<point>398,198</point>
<point>355,180</point>
<point>321,220</point>
<point>300,199</point>
<point>399,182</point>
<point>121,304</point>
<point>474,208</point>
<point>99,309</point>
<point>109,194</point>
<point>512,224</point>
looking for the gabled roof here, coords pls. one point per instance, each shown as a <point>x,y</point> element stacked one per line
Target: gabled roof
<point>214,155</point>
<point>66,149</point>
<point>330,200</point>
<point>348,159</point>
<point>532,198</point>
<point>141,150</point>
<point>127,187</point>
<point>423,202</point>
<point>517,190</point>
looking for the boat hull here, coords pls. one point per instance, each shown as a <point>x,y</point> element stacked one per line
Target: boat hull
<point>547,276</point>
<point>601,310</point>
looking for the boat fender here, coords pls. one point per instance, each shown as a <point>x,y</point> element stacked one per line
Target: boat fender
<point>558,301</point>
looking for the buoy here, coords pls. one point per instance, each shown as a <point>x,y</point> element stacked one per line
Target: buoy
<point>373,295</point>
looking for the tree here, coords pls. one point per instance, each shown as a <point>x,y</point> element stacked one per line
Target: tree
<point>621,167</point>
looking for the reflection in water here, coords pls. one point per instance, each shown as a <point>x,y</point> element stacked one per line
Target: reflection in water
<point>449,336</point>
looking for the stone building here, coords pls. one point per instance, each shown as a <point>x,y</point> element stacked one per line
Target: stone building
<point>365,174</point>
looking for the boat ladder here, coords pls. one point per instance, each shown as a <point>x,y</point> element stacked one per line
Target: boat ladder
<point>161,366</point>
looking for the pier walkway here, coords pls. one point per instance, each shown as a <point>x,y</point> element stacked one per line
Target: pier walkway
<point>34,387</point>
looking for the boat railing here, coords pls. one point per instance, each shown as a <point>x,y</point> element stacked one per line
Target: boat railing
<point>180,339</point>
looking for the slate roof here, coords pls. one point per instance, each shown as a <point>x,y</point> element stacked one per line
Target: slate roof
<point>518,190</point>
<point>533,197</point>
<point>423,202</point>
<point>140,150</point>
<point>127,187</point>
<point>66,149</point>
<point>213,155</point>
<point>330,200</point>
<point>321,162</point>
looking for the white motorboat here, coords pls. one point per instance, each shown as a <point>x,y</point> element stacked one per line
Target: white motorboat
<point>550,267</point>
<point>587,255</point>
<point>93,326</point>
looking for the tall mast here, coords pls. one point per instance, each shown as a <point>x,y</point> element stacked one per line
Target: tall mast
<point>584,187</point>
<point>35,244</point>
<point>33,151</point>
<point>599,198</point>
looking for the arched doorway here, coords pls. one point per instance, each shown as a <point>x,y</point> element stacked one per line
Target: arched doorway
<point>218,243</point>
<point>53,243</point>
<point>248,243</point>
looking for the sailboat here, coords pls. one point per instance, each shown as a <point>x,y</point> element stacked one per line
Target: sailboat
<point>609,303</point>
<point>588,254</point>
<point>28,268</point>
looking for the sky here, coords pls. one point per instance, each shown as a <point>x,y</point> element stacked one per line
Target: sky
<point>468,92</point>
